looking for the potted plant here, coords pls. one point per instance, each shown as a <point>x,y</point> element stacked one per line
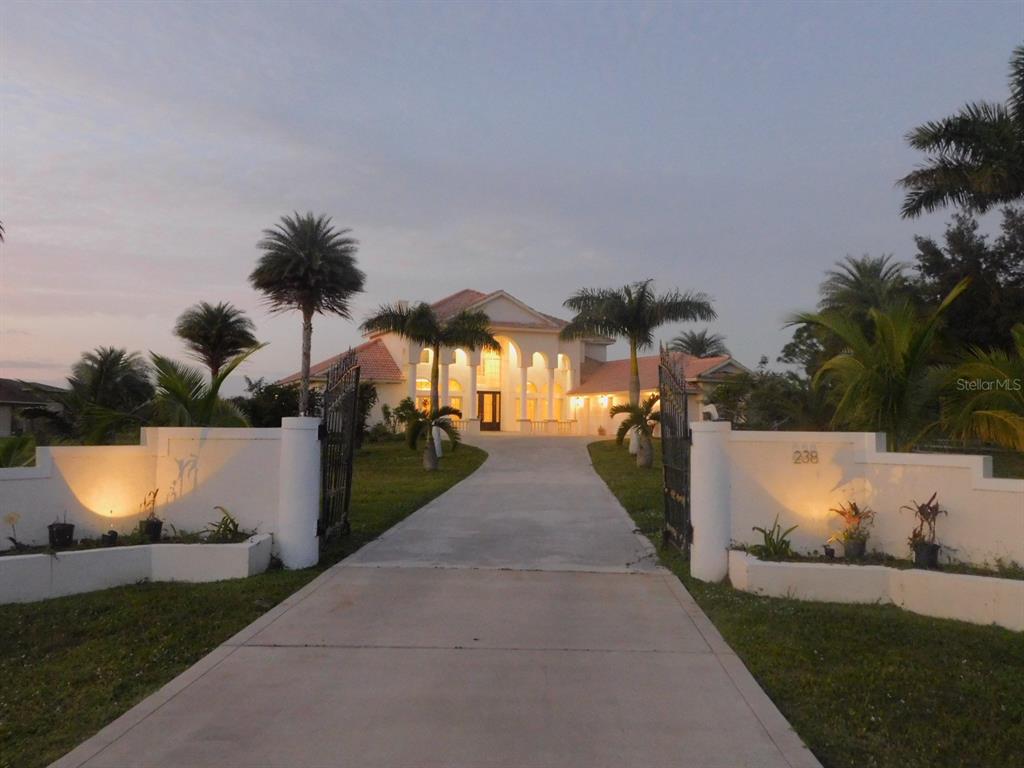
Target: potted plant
<point>62,534</point>
<point>150,526</point>
<point>110,539</point>
<point>854,536</point>
<point>922,539</point>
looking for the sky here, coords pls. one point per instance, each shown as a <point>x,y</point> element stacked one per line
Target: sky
<point>738,149</point>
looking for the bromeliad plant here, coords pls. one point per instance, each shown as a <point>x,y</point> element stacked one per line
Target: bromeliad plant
<point>922,538</point>
<point>422,424</point>
<point>643,419</point>
<point>856,522</point>
<point>776,544</point>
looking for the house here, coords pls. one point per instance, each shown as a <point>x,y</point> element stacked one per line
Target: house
<point>16,395</point>
<point>536,382</point>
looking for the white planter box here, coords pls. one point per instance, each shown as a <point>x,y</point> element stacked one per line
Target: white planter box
<point>26,578</point>
<point>974,599</point>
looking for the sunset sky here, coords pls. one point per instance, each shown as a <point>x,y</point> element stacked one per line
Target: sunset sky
<point>739,149</point>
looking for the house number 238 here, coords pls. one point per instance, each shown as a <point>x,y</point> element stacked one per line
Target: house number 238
<point>805,457</point>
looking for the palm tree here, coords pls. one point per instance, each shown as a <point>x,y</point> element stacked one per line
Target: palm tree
<point>310,266</point>
<point>857,285</point>
<point>699,344</point>
<point>439,418</point>
<point>108,388</point>
<point>885,381</point>
<point>632,313</point>
<point>642,419</point>
<point>420,324</point>
<point>215,333</point>
<point>985,396</point>
<point>184,397</point>
<point>977,155</point>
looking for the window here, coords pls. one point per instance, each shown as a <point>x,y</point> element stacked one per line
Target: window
<point>489,371</point>
<point>422,385</point>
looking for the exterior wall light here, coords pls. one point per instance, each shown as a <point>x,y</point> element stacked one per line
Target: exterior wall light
<point>603,399</point>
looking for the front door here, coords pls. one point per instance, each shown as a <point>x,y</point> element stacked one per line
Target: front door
<point>488,405</point>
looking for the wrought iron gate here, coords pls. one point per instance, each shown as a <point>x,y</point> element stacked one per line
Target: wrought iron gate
<point>675,449</point>
<point>337,446</point>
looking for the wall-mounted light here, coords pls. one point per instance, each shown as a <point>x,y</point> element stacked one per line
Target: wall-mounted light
<point>603,400</point>
<point>577,402</point>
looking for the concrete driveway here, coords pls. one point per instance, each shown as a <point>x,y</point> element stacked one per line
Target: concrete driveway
<point>515,621</point>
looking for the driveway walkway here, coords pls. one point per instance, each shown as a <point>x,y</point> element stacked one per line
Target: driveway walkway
<point>515,621</point>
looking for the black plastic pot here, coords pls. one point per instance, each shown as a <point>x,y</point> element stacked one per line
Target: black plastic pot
<point>151,529</point>
<point>853,549</point>
<point>926,555</point>
<point>61,535</point>
<point>109,539</point>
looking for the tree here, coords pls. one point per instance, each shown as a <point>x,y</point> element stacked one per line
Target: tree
<point>366,398</point>
<point>985,396</point>
<point>768,400</point>
<point>699,344</point>
<point>985,314</point>
<point>184,398</point>
<point>857,285</point>
<point>215,333</point>
<point>264,405</point>
<point>642,418</point>
<point>420,324</point>
<point>885,381</point>
<point>632,313</point>
<point>106,381</point>
<point>420,423</point>
<point>976,158</point>
<point>309,266</point>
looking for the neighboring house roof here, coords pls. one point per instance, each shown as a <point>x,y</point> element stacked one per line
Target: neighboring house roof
<point>14,392</point>
<point>613,376</point>
<point>375,364</point>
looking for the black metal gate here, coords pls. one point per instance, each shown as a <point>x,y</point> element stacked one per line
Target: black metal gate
<point>675,449</point>
<point>337,446</point>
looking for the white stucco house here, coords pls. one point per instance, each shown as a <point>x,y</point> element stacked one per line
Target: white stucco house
<point>536,383</point>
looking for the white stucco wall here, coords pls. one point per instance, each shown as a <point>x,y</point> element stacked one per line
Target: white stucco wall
<point>985,518</point>
<point>195,469</point>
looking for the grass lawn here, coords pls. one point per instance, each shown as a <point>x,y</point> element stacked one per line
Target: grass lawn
<point>71,665</point>
<point>864,685</point>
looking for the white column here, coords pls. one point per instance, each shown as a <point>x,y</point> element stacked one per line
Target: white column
<point>522,393</point>
<point>411,373</point>
<point>443,385</point>
<point>709,500</point>
<point>551,394</point>
<point>471,409</point>
<point>298,499</point>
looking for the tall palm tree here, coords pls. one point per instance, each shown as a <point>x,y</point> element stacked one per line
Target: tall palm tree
<point>985,396</point>
<point>640,419</point>
<point>885,381</point>
<point>215,333</point>
<point>185,398</point>
<point>976,156</point>
<point>701,343</point>
<point>309,266</point>
<point>632,313</point>
<point>857,285</point>
<point>420,323</point>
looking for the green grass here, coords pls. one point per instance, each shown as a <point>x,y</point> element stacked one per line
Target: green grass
<point>865,686</point>
<point>71,665</point>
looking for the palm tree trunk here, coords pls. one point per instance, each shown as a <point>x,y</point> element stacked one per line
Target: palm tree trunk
<point>634,375</point>
<point>645,452</point>
<point>307,343</point>
<point>429,452</point>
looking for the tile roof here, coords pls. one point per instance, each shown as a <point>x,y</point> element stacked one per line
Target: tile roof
<point>375,362</point>
<point>450,306</point>
<point>17,392</point>
<point>613,376</point>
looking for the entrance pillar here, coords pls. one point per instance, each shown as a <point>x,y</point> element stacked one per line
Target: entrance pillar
<point>524,423</point>
<point>472,404</point>
<point>551,394</point>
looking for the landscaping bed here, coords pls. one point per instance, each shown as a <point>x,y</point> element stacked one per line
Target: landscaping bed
<point>863,685</point>
<point>71,665</point>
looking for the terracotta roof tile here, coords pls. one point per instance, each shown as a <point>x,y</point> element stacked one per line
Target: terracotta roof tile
<point>375,362</point>
<point>613,376</point>
<point>452,305</point>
